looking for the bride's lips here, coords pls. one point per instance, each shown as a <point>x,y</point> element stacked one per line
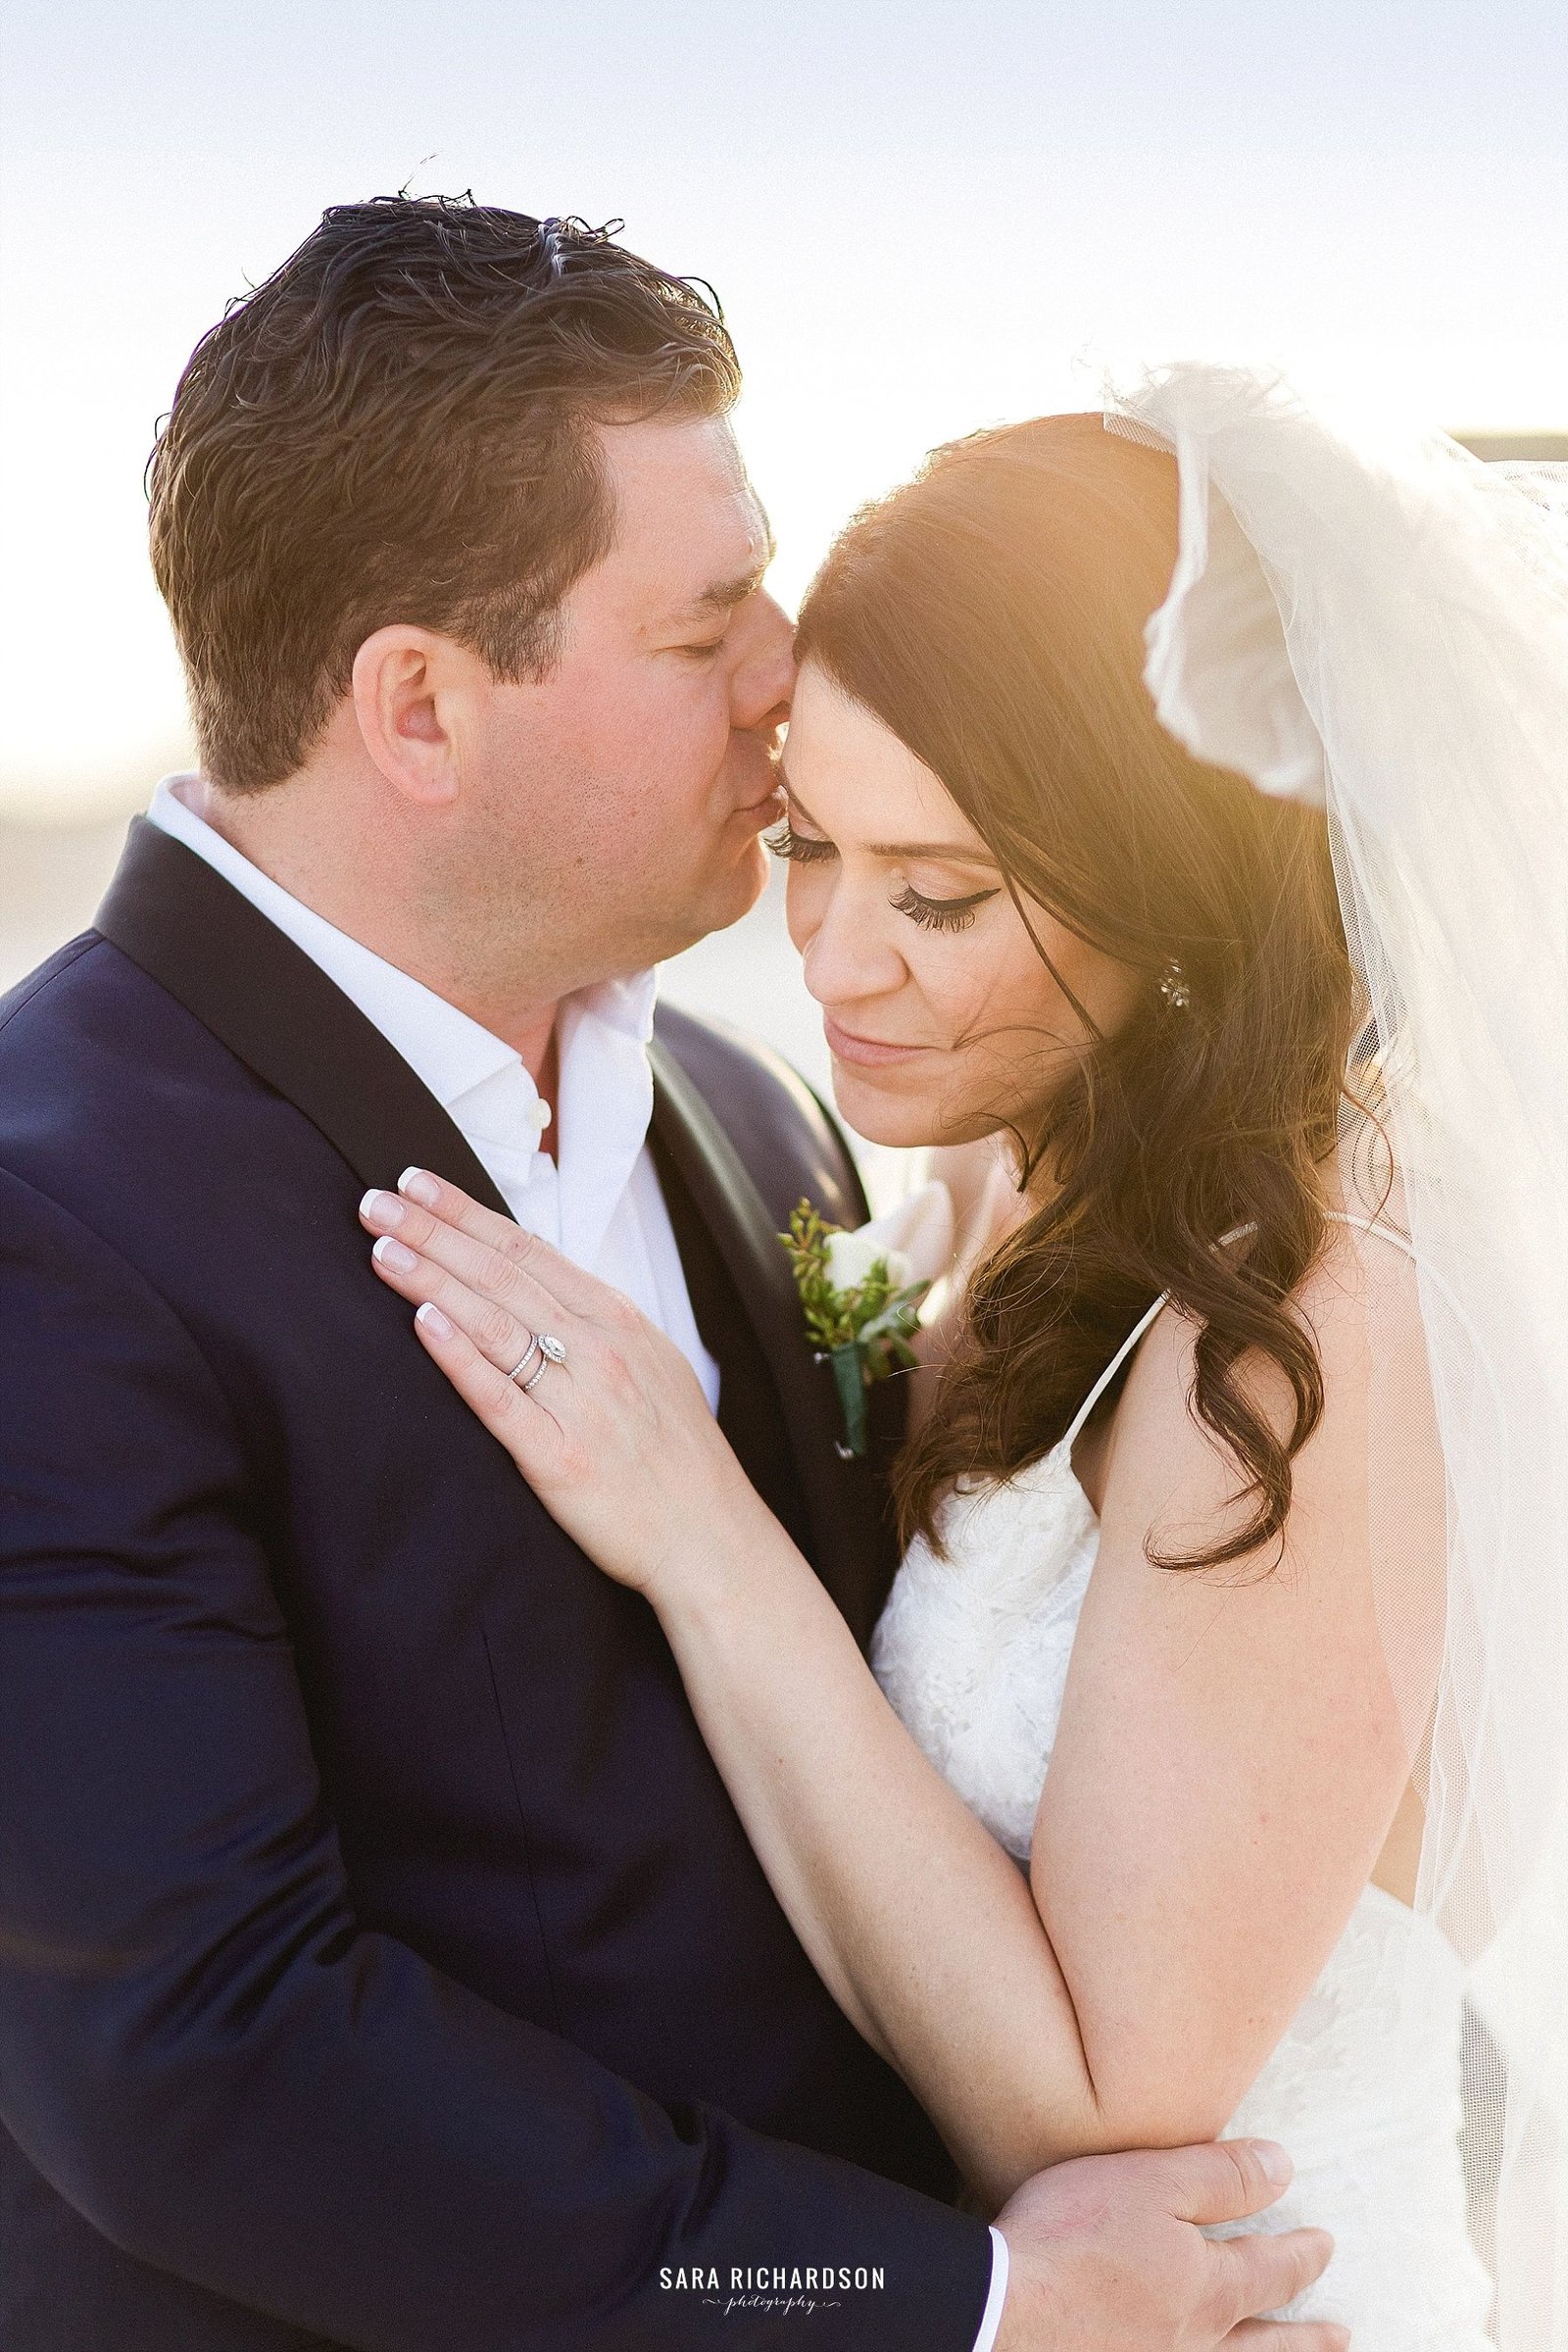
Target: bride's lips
<point>870,1053</point>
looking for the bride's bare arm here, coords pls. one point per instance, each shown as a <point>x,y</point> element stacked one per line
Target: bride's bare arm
<point>1228,1763</point>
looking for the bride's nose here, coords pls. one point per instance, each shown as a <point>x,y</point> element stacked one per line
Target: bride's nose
<point>848,958</point>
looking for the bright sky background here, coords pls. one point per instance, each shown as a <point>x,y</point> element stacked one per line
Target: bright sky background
<point>920,218</point>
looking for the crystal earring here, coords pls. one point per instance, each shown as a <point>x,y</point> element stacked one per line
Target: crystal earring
<point>1173,988</point>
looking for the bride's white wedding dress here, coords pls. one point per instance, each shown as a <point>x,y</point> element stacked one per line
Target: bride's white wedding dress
<point>972,1651</point>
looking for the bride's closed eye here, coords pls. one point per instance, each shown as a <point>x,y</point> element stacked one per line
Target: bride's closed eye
<point>801,849</point>
<point>941,914</point>
<point>932,914</point>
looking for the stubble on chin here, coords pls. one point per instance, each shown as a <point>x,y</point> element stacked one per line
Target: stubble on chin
<point>650,924</point>
<point>723,896</point>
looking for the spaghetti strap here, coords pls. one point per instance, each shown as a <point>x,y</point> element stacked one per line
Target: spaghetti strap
<point>1382,1232</point>
<point>1338,1216</point>
<point>1112,1369</point>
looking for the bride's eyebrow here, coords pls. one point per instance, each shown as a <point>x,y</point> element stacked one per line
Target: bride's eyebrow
<point>954,853</point>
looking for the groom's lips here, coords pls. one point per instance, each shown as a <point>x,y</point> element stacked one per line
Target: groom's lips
<point>767,810</point>
<point>871,1052</point>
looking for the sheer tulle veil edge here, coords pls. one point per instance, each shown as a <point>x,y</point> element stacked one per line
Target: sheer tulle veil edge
<point>1377,623</point>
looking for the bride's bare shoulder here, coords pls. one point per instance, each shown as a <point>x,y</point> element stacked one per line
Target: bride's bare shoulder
<point>1171,1476</point>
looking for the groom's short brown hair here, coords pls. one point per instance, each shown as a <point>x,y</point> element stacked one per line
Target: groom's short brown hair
<point>397,426</point>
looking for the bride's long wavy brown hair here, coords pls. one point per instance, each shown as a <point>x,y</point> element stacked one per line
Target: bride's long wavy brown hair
<point>991,613</point>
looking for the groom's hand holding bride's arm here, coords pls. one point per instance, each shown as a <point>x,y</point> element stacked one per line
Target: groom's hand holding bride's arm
<point>883,1871</point>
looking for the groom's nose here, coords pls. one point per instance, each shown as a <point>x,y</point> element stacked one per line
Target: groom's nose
<point>765,675</point>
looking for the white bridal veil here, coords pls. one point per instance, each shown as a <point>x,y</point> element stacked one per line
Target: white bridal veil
<point>1380,625</point>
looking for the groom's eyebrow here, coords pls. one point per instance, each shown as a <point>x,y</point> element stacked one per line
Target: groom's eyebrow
<point>724,595</point>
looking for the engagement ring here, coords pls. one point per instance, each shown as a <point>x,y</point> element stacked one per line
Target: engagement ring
<point>551,1352</point>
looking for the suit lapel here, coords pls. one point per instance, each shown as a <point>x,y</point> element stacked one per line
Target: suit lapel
<point>263,998</point>
<point>843,1500</point>
<point>730,1206</point>
<point>220,957</point>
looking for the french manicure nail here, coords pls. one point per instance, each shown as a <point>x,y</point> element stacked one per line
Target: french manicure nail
<point>434,1321</point>
<point>419,1187</point>
<point>381,1208</point>
<point>390,1254</point>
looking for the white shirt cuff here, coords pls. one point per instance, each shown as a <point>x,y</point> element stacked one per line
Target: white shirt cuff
<point>991,2317</point>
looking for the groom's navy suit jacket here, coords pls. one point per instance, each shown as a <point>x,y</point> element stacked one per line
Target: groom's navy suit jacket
<point>381,1961</point>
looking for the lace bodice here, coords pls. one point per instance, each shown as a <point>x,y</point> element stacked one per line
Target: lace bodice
<point>973,1650</point>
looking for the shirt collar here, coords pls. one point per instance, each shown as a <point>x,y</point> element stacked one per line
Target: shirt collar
<point>603,1030</point>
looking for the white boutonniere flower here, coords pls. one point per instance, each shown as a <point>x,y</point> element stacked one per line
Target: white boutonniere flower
<point>861,1290</point>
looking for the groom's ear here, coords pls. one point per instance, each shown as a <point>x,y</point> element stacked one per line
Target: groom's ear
<point>409,686</point>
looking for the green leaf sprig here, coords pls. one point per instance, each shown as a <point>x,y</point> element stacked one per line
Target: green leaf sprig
<point>876,1317</point>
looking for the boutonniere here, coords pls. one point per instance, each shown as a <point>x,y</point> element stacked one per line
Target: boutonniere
<point>861,1290</point>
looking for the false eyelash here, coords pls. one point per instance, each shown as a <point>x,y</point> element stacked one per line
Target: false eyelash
<point>941,914</point>
<point>801,848</point>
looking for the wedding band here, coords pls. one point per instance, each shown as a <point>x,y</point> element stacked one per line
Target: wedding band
<point>551,1352</point>
<point>533,1350</point>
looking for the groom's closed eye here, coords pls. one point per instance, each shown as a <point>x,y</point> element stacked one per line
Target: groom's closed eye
<point>720,599</point>
<point>709,615</point>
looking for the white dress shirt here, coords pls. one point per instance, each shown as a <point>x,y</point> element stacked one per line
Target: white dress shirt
<point>600,1204</point>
